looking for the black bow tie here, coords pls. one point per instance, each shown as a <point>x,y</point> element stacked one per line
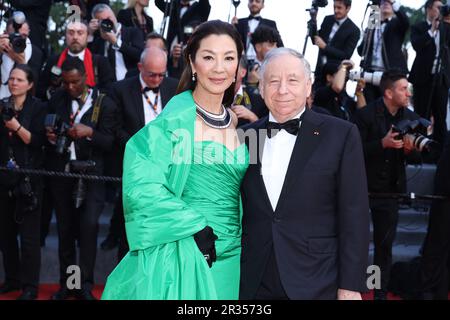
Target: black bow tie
<point>291,126</point>
<point>185,5</point>
<point>337,22</point>
<point>385,21</point>
<point>258,18</point>
<point>155,90</point>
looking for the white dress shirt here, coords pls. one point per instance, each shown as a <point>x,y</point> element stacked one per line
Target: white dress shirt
<point>252,25</point>
<point>86,106</point>
<point>275,161</point>
<point>437,38</point>
<point>149,112</point>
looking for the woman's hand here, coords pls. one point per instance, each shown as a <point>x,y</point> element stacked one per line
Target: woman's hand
<point>12,124</point>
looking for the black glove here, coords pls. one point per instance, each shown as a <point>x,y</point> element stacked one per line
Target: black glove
<point>205,240</point>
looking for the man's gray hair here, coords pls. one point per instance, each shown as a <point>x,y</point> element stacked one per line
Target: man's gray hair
<point>278,52</point>
<point>100,8</point>
<point>148,51</point>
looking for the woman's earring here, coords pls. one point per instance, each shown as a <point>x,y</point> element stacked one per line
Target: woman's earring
<point>194,77</point>
<point>234,80</point>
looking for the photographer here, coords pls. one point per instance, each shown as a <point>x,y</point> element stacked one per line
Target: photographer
<point>333,96</point>
<point>336,39</point>
<point>384,152</point>
<point>22,137</point>
<point>79,139</point>
<point>430,73</point>
<point>121,45</point>
<point>16,48</point>
<point>382,49</point>
<point>98,70</point>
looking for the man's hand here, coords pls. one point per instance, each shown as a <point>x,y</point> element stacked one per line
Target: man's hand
<point>51,136</point>
<point>447,19</point>
<point>12,124</point>
<point>79,131</point>
<point>343,294</point>
<point>243,113</point>
<point>234,20</point>
<point>109,36</point>
<point>18,58</point>
<point>318,41</point>
<point>408,146</point>
<point>435,25</point>
<point>389,141</point>
<point>4,42</point>
<point>347,64</point>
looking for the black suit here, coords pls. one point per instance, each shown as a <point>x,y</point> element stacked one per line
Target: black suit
<point>341,47</point>
<point>102,71</point>
<point>317,239</point>
<point>128,18</point>
<point>85,219</point>
<point>199,11</point>
<point>425,95</point>
<point>385,174</point>
<point>131,48</point>
<point>392,52</point>
<point>243,28</point>
<point>128,98</point>
<point>22,266</point>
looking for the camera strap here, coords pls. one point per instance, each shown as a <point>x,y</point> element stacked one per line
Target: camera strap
<point>96,113</point>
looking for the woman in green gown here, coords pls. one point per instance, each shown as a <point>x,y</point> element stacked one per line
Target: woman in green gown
<point>181,180</point>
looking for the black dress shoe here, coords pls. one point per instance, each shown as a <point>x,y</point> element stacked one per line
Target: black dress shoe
<point>62,294</point>
<point>109,243</point>
<point>85,294</point>
<point>8,287</point>
<point>28,294</point>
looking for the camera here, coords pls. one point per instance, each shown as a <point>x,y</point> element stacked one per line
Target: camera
<point>60,128</point>
<point>445,10</point>
<point>187,33</point>
<point>106,25</point>
<point>376,2</point>
<point>79,192</point>
<point>373,78</point>
<point>312,23</point>
<point>410,129</point>
<point>18,42</point>
<point>7,109</point>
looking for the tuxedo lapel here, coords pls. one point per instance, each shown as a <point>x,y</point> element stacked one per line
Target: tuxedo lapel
<point>163,93</point>
<point>307,141</point>
<point>137,97</point>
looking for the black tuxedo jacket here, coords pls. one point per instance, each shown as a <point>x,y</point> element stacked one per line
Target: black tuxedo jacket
<point>128,98</point>
<point>371,121</point>
<point>102,140</point>
<point>128,18</point>
<point>320,229</point>
<point>342,45</point>
<point>131,48</point>
<point>393,38</point>
<point>198,11</point>
<point>243,30</point>
<point>105,75</point>
<point>425,48</point>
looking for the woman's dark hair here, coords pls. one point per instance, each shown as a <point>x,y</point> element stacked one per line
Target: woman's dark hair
<point>28,73</point>
<point>213,27</point>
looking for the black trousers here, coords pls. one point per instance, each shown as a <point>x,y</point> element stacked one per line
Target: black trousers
<point>384,219</point>
<point>117,227</point>
<point>434,269</point>
<point>22,267</point>
<point>70,220</point>
<point>438,107</point>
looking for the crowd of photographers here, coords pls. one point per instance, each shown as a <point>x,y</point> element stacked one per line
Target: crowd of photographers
<point>74,111</point>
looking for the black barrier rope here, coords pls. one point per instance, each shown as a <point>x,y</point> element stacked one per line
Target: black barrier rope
<point>409,196</point>
<point>60,174</point>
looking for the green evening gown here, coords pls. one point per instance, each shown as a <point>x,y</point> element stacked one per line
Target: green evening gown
<point>161,272</point>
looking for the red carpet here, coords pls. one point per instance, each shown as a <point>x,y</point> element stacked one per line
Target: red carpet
<point>46,290</point>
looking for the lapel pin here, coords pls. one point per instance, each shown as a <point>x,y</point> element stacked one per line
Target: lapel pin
<point>316,133</point>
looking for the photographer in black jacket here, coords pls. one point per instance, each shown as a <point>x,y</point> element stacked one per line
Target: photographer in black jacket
<point>385,152</point>
<point>84,131</point>
<point>22,137</point>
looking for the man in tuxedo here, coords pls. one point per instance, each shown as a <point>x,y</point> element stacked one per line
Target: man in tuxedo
<point>121,45</point>
<point>336,39</point>
<point>140,99</point>
<point>305,227</point>
<point>98,69</point>
<point>31,55</point>
<point>381,48</point>
<point>91,120</point>
<point>430,73</point>
<point>247,26</point>
<point>183,13</point>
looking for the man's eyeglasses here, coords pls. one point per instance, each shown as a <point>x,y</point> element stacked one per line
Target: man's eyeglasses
<point>153,74</point>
